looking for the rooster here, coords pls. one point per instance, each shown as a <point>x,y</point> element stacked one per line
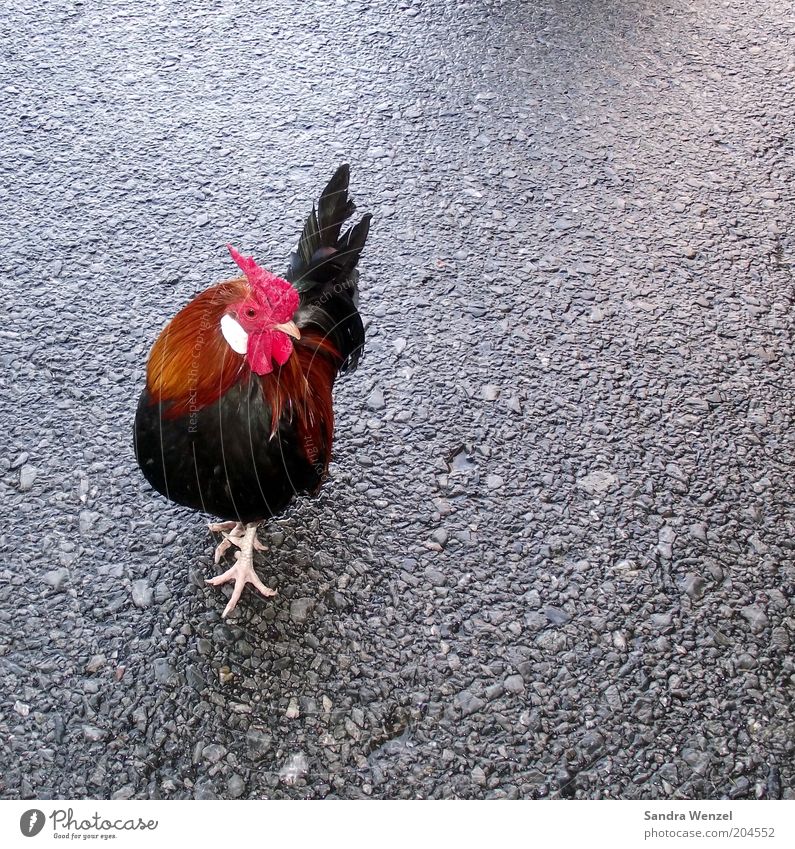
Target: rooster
<point>236,417</point>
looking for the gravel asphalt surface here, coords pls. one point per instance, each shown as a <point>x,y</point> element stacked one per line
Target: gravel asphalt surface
<point>555,556</point>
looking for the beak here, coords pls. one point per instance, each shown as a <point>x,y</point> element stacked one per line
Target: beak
<point>290,328</point>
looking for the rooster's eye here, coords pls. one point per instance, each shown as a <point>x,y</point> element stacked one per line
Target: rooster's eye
<point>251,312</point>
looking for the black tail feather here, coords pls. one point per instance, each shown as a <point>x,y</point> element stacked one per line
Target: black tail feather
<point>323,268</point>
<point>323,255</point>
<point>334,206</point>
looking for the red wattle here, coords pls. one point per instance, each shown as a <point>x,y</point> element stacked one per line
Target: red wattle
<point>282,347</point>
<point>260,346</point>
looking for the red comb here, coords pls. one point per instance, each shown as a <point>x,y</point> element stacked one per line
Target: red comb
<point>275,291</point>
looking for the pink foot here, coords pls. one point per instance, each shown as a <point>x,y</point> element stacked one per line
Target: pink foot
<point>242,572</point>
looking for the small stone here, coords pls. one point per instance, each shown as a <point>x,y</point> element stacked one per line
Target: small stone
<point>660,620</point>
<point>400,345</point>
<point>88,519</point>
<point>514,684</point>
<point>56,578</point>
<point>295,767</point>
<point>597,482</point>
<point>300,608</point>
<point>739,787</point>
<point>204,790</point>
<point>694,585</point>
<point>195,679</point>
<point>613,698</point>
<point>665,550</point>
<point>435,577</point>
<point>162,592</point>
<point>495,691</point>
<point>127,791</point>
<point>258,743</point>
<point>535,621</point>
<point>777,599</point>
<point>556,615</point>
<point>490,392</point>
<point>756,617</point>
<point>494,481</point>
<point>697,760</point>
<point>592,742</point>
<point>666,534</point>
<point>689,252</point>
<point>779,639</point>
<point>375,400</point>
<point>165,672</point>
<point>461,461</point>
<point>643,710</point>
<point>478,776</point>
<point>552,641</point>
<point>58,727</point>
<point>535,777</point>
<point>20,460</point>
<point>27,476</point>
<point>236,786</point>
<point>140,718</point>
<point>532,599</point>
<point>213,753</point>
<point>564,224</point>
<point>441,536</point>
<point>142,593</point>
<point>336,600</point>
<point>293,711</point>
<point>21,708</point>
<point>95,663</point>
<point>93,734</point>
<point>469,702</point>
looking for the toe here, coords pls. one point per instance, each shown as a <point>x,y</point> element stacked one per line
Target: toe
<point>255,582</point>
<point>236,593</point>
<point>229,575</point>
<point>221,548</point>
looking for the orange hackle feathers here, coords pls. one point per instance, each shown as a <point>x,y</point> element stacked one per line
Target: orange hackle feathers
<point>191,364</point>
<point>302,389</point>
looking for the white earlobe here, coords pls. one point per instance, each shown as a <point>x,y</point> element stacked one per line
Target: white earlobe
<point>234,334</point>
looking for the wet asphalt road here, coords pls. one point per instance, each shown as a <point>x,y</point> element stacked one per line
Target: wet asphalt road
<point>556,553</point>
